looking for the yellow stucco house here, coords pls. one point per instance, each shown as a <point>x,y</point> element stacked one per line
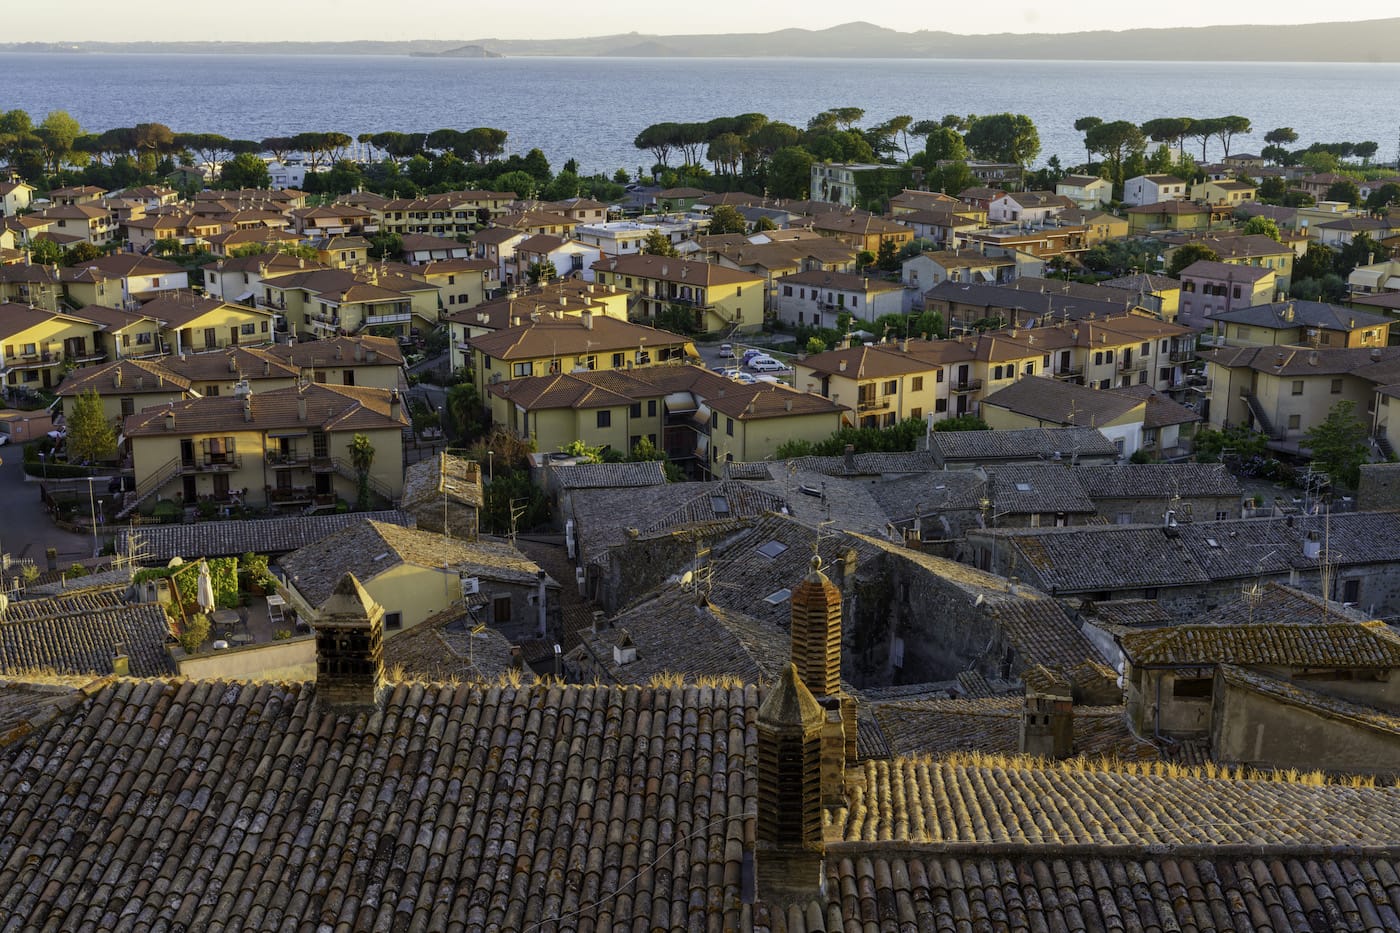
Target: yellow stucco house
<point>36,346</point>
<point>326,302</point>
<point>551,344</point>
<point>192,324</point>
<point>288,447</point>
<point>718,298</point>
<point>125,387</point>
<point>699,418</point>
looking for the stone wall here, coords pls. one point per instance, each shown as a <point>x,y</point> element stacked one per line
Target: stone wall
<point>1380,487</point>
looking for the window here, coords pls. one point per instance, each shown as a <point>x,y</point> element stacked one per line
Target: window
<point>651,408</point>
<point>916,413</point>
<point>617,361</point>
<point>890,387</point>
<point>1030,368</point>
<point>1192,688</point>
<point>486,362</point>
<point>729,426</point>
<point>1145,349</point>
<point>522,369</point>
<point>264,327</point>
<point>1294,422</point>
<point>939,376</point>
<point>1297,387</point>
<point>1221,516</point>
<point>1108,356</point>
<point>940,405</point>
<point>248,329</point>
<point>393,620</point>
<point>605,418</point>
<point>145,339</point>
<point>636,410</point>
<point>1098,357</point>
<point>1351,591</point>
<point>787,291</point>
<point>917,385</point>
<point>1237,291</point>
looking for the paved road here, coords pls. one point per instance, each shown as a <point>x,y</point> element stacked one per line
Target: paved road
<point>25,527</point>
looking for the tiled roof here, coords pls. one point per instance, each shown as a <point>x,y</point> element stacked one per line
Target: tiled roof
<point>869,464</point>
<point>607,475</point>
<point>992,725</point>
<point>136,377</point>
<point>329,407</point>
<point>252,807</point>
<point>813,498</point>
<point>1020,444</point>
<point>1157,480</point>
<point>443,648</point>
<point>82,642</point>
<point>446,477</point>
<point>342,351</point>
<point>1304,644</point>
<point>1093,558</point>
<point>675,633</point>
<point>1126,612</point>
<point>369,548</point>
<point>1024,488</point>
<point>1062,402</point>
<point>1203,891</point>
<point>159,543</point>
<point>670,269</point>
<point>920,801</point>
<point>1279,604</point>
<point>552,336</point>
<point>1151,284</point>
<point>1289,314</point>
<point>93,601</point>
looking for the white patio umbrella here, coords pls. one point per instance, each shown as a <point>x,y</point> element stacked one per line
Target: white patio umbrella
<point>205,594</point>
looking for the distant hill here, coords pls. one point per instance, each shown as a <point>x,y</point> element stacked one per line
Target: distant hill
<point>1369,41</point>
<point>461,51</point>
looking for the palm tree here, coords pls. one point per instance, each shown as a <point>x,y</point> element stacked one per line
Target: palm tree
<point>362,458</point>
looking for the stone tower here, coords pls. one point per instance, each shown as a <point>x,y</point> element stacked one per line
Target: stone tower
<point>349,646</point>
<point>1047,714</point>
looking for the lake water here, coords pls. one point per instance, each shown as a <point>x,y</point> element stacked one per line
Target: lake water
<point>592,108</point>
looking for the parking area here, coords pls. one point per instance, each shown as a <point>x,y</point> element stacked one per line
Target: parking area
<point>27,530</point>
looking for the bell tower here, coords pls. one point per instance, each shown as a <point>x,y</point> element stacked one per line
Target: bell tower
<point>349,646</point>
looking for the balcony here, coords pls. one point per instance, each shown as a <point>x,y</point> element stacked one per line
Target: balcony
<point>875,404</point>
<point>1131,366</point>
<point>966,385</point>
<point>213,463</point>
<point>397,317</point>
<point>288,461</point>
<point>1070,372</point>
<point>1182,356</point>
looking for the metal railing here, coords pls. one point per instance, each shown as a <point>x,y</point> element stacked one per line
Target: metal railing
<point>151,485</point>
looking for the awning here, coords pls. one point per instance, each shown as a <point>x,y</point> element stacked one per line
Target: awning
<point>702,414</point>
<point>300,433</point>
<point>987,276</point>
<point>680,403</point>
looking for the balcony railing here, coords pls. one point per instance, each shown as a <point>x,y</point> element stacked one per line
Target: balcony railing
<point>1182,356</point>
<point>288,460</point>
<point>874,404</point>
<point>1069,372</point>
<point>966,385</point>
<point>397,317</point>
<point>210,463</point>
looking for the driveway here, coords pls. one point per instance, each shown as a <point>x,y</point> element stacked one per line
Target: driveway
<point>25,529</point>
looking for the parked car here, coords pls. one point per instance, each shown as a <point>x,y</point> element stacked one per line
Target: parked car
<point>745,378</point>
<point>766,364</point>
<point>773,379</point>
<point>752,352</point>
<point>726,351</point>
<point>730,372</point>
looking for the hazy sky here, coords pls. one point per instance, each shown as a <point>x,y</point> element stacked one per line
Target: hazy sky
<point>476,19</point>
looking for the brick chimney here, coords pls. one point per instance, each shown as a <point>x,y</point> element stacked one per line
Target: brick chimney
<point>789,837</point>
<point>1047,715</point>
<point>349,647</point>
<point>816,655</point>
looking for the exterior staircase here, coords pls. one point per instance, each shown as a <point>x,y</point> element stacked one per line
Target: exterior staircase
<point>148,487</point>
<point>1384,445</point>
<point>343,468</point>
<point>1251,401</point>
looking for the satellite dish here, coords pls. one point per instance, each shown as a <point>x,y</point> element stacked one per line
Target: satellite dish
<point>176,562</point>
<point>479,629</point>
<point>687,578</point>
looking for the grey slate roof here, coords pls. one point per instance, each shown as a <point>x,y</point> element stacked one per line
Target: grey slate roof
<point>1297,313</point>
<point>1157,480</point>
<point>1336,643</point>
<point>159,543</point>
<point>1035,488</point>
<point>1019,444</point>
<point>92,601</point>
<point>607,475</point>
<point>82,642</point>
<point>1094,558</point>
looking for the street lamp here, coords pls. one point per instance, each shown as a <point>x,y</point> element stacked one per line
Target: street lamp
<point>44,465</point>
<point>92,504</point>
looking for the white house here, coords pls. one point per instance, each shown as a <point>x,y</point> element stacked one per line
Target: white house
<point>569,257</point>
<point>618,237</point>
<point>1153,189</point>
<point>1035,207</point>
<point>817,297</point>
<point>1088,192</point>
<point>15,196</point>
<point>290,175</point>
<point>420,249</point>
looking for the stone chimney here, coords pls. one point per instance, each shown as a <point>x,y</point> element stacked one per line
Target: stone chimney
<point>121,661</point>
<point>247,409</point>
<point>848,458</point>
<point>117,378</point>
<point>790,845</point>
<point>587,318</point>
<point>1047,715</point>
<point>394,404</point>
<point>349,647</point>
<point>170,421</point>
<point>301,407</point>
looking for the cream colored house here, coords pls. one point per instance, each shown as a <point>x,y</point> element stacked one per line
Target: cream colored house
<point>15,196</point>
<point>288,447</point>
<point>564,298</point>
<point>1229,191</point>
<point>191,324</point>
<point>1088,192</point>
<point>125,387</point>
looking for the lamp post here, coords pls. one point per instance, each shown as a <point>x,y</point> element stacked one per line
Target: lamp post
<point>92,505</point>
<point>44,465</point>
<point>446,532</point>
